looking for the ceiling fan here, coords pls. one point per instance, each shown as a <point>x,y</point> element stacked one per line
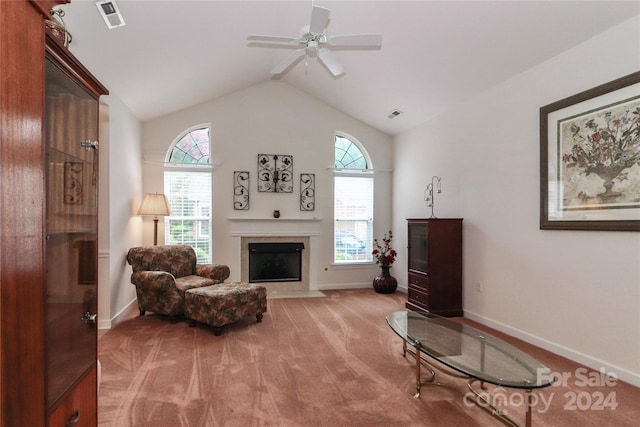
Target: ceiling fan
<point>314,41</point>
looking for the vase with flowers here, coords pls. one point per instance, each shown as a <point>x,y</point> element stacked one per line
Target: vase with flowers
<point>385,255</point>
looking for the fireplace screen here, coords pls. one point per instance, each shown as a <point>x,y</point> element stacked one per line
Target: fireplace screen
<point>275,262</point>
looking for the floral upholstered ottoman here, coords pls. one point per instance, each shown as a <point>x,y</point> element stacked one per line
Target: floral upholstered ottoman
<point>222,304</point>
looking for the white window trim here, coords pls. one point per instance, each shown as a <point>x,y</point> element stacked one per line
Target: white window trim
<point>356,173</point>
<point>365,153</point>
<point>191,167</point>
<point>178,138</point>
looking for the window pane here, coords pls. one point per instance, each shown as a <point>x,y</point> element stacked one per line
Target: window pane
<point>192,148</point>
<point>189,195</point>
<point>353,216</point>
<point>348,155</point>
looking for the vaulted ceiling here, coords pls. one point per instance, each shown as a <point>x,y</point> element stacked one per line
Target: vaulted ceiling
<point>174,54</point>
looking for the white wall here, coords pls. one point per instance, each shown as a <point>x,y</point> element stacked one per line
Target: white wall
<point>120,195</point>
<point>576,293</point>
<point>273,118</point>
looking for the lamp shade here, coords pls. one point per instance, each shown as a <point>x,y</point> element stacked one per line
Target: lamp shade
<point>154,204</point>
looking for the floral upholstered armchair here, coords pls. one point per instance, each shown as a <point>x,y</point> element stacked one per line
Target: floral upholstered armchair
<point>162,274</point>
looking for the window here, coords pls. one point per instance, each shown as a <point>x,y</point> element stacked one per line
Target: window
<point>187,184</point>
<point>353,202</point>
<point>193,147</point>
<point>349,155</point>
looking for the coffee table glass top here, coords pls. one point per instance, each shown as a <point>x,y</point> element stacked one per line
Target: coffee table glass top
<point>469,351</point>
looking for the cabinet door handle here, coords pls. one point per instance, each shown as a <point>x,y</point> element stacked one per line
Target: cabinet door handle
<point>89,319</point>
<point>73,421</point>
<point>89,145</point>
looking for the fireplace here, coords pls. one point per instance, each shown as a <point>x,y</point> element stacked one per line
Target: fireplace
<point>275,262</point>
<point>271,230</point>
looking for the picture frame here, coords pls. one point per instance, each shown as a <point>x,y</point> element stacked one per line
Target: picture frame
<point>590,159</point>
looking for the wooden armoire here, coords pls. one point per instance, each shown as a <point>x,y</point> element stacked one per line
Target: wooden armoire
<point>435,265</point>
<point>48,215</point>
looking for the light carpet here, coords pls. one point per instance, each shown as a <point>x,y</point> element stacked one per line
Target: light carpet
<point>329,361</point>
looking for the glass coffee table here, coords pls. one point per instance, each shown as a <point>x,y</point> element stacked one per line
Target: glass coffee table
<point>469,353</point>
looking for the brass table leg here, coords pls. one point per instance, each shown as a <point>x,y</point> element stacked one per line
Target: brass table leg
<point>418,379</point>
<point>419,361</point>
<point>528,413</point>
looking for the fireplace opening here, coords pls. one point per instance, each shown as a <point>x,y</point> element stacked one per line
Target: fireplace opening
<point>275,262</point>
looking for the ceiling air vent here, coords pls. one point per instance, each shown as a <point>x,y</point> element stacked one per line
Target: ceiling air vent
<point>394,114</point>
<point>110,13</point>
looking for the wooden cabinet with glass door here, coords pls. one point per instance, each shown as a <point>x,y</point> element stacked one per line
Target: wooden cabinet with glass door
<point>71,133</point>
<point>435,266</point>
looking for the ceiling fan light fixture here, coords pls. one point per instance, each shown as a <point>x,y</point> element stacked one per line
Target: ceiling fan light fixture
<point>313,40</point>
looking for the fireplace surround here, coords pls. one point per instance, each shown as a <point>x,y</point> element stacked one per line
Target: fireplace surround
<point>281,230</point>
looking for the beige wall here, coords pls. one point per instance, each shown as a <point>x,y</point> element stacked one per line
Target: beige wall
<point>574,292</point>
<point>119,195</point>
<point>274,118</point>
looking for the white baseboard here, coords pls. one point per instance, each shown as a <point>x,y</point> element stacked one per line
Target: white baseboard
<point>107,324</point>
<point>571,354</point>
<point>343,286</point>
<point>104,324</point>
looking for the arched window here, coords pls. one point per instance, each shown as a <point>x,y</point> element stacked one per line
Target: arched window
<point>348,154</point>
<point>187,184</point>
<point>353,202</point>
<point>193,147</point>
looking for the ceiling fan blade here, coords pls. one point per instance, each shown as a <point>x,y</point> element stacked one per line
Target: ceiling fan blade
<point>330,62</point>
<point>319,19</point>
<point>272,39</point>
<point>288,61</point>
<point>365,40</point>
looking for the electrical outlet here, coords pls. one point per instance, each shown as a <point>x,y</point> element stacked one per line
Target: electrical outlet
<point>478,286</point>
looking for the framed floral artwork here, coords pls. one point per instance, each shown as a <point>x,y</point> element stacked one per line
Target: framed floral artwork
<point>590,159</point>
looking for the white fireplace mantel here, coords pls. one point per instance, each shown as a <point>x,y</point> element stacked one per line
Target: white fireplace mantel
<point>245,219</point>
<point>246,226</point>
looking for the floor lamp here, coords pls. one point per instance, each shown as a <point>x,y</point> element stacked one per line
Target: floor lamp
<point>157,205</point>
